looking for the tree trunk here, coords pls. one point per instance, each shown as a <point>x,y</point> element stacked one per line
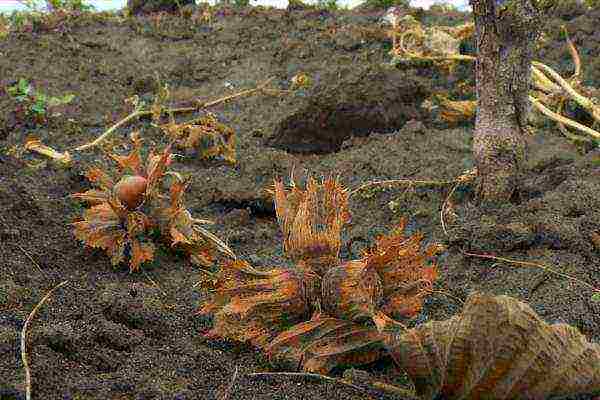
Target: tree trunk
<point>506,32</point>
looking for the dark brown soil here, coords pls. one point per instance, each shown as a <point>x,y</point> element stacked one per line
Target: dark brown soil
<point>109,334</point>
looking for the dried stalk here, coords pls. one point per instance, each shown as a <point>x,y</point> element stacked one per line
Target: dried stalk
<point>142,113</point>
<point>392,182</point>
<point>574,54</point>
<point>564,120</point>
<point>306,375</point>
<point>24,339</point>
<point>583,101</point>
<point>536,265</point>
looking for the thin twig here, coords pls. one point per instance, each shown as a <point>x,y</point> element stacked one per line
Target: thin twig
<point>154,283</point>
<point>227,392</point>
<point>574,55</point>
<point>449,295</point>
<point>391,182</point>
<point>110,130</point>
<point>306,375</point>
<point>395,390</point>
<point>235,95</point>
<point>31,259</point>
<point>443,211</point>
<point>142,113</point>
<point>24,339</point>
<point>536,265</point>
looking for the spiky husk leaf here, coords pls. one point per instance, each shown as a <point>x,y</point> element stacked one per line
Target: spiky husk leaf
<point>323,342</point>
<point>406,271</point>
<point>312,220</point>
<point>255,306</point>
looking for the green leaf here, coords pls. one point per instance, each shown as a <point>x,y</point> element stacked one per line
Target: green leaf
<point>596,297</point>
<point>38,108</point>
<point>24,86</point>
<point>56,101</point>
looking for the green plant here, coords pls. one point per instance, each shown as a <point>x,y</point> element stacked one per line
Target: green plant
<point>385,3</point>
<point>593,3</point>
<point>331,5</point>
<point>32,103</point>
<point>69,5</point>
<point>241,3</point>
<point>56,5</point>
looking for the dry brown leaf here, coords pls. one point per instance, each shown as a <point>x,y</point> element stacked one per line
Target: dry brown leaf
<point>209,137</point>
<point>497,348</point>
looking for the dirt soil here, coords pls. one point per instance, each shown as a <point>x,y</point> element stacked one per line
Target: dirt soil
<point>109,334</point>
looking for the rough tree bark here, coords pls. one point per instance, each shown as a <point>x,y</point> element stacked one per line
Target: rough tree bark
<point>506,32</point>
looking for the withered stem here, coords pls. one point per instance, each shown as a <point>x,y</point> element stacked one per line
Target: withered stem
<point>24,339</point>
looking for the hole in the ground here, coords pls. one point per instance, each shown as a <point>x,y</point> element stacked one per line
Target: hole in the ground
<point>258,208</point>
<point>371,100</point>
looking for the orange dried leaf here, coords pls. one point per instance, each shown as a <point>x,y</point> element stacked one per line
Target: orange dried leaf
<point>101,178</point>
<point>132,162</point>
<point>92,196</point>
<point>140,253</point>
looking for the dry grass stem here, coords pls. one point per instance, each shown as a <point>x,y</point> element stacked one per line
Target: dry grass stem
<point>394,182</point>
<point>227,392</point>
<point>31,259</point>
<point>395,390</point>
<point>574,54</point>
<point>536,265</point>
<point>307,375</point>
<point>24,339</point>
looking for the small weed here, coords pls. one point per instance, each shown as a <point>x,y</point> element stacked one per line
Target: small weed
<point>34,105</point>
<point>331,5</point>
<point>385,3</point>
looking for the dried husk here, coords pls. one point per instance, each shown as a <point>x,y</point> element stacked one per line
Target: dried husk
<point>352,291</point>
<point>311,221</point>
<point>271,309</point>
<point>121,219</point>
<point>324,342</point>
<point>206,136</point>
<point>497,348</point>
<point>254,306</point>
